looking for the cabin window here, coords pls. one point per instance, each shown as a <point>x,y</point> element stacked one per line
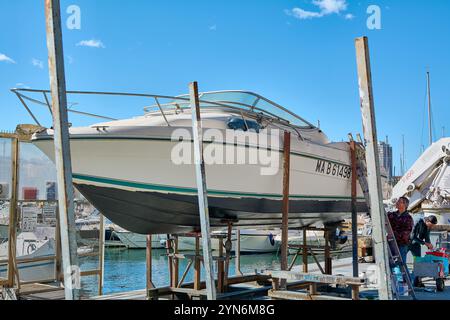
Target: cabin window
<point>236,123</point>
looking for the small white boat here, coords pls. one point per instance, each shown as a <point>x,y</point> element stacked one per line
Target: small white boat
<point>29,246</point>
<point>252,241</point>
<point>139,241</point>
<point>295,238</point>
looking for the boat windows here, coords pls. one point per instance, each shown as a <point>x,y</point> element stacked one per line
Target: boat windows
<point>236,123</point>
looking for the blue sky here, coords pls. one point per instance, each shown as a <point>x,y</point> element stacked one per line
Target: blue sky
<point>305,64</point>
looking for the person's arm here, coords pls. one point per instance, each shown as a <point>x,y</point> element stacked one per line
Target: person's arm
<point>427,238</point>
<point>415,234</point>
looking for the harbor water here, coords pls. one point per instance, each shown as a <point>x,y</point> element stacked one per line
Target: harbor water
<point>125,269</point>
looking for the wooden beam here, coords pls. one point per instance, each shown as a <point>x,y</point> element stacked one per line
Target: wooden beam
<point>149,264</point>
<point>13,216</point>
<point>238,252</point>
<point>176,269</point>
<point>373,167</point>
<point>354,210</point>
<point>62,146</point>
<point>197,265</point>
<point>305,252</point>
<point>285,209</point>
<point>318,278</point>
<point>293,295</point>
<point>101,255</point>
<point>202,190</point>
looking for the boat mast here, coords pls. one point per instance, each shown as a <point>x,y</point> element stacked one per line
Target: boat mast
<point>403,155</point>
<point>429,109</point>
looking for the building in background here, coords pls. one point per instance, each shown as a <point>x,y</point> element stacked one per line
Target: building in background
<point>385,155</point>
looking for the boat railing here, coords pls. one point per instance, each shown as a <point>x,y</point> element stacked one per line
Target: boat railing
<point>166,105</point>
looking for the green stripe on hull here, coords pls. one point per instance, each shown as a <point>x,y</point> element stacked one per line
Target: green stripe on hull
<point>154,187</point>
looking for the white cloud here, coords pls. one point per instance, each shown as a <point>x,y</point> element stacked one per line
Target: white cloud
<point>327,7</point>
<point>37,63</point>
<point>331,6</point>
<point>213,28</point>
<point>69,59</point>
<point>303,14</point>
<point>349,16</point>
<point>5,58</point>
<point>91,43</point>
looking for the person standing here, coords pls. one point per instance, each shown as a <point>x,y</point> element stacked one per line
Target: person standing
<point>421,236</point>
<point>402,225</point>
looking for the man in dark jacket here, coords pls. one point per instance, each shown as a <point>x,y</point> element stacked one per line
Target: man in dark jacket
<point>421,236</point>
<point>402,224</point>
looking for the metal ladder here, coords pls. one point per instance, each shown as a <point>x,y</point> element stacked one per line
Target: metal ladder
<point>395,258</point>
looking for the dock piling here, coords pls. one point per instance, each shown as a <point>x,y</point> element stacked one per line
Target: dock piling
<point>354,211</point>
<point>13,217</point>
<point>285,212</point>
<point>202,190</point>
<point>62,147</point>
<point>373,166</point>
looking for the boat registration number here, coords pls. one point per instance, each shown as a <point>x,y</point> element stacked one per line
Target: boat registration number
<point>333,169</point>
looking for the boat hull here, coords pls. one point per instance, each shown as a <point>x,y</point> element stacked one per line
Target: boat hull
<point>135,183</point>
<point>156,213</point>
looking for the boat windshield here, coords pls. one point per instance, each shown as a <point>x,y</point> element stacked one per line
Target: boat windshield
<point>243,100</point>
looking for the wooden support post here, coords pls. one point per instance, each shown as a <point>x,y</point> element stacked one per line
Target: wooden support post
<point>355,292</point>
<point>176,262</point>
<point>228,254</point>
<point>373,167</point>
<point>305,251</point>
<point>238,252</point>
<point>313,289</point>
<point>13,216</point>
<point>59,276</point>
<point>170,259</point>
<point>354,211</point>
<point>220,269</point>
<point>62,147</point>
<point>328,266</point>
<point>285,212</point>
<point>197,265</point>
<point>101,255</point>
<point>202,191</point>
<point>149,264</point>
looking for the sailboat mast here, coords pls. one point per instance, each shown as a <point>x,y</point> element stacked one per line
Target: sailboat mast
<point>429,109</point>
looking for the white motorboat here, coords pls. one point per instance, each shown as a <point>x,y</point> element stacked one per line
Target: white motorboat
<point>28,246</point>
<point>134,240</point>
<point>427,183</point>
<point>131,169</point>
<point>251,241</point>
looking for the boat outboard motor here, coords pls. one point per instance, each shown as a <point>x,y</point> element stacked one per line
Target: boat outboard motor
<point>336,235</point>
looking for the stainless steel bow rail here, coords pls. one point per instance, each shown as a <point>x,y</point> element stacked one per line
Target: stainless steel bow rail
<point>165,105</point>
